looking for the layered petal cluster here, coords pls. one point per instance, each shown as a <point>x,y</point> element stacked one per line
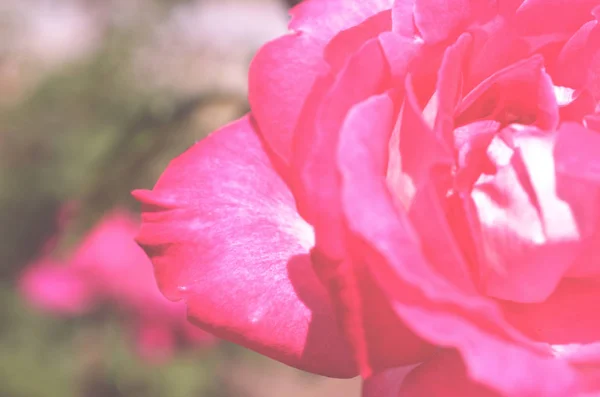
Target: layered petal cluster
<point>414,197</point>
<point>108,267</point>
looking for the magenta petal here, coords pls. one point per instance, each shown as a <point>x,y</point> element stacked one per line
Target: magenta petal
<point>347,42</point>
<point>386,383</point>
<point>538,17</point>
<point>577,152</point>
<point>496,46</point>
<point>568,316</point>
<point>592,122</point>
<point>418,152</point>
<point>578,173</point>
<point>448,88</point>
<point>283,71</point>
<point>402,18</point>
<point>280,78</point>
<point>323,19</point>
<point>379,338</point>
<point>529,236</point>
<point>520,93</point>
<point>470,143</point>
<point>575,59</point>
<point>426,303</point>
<point>485,355</point>
<point>443,376</point>
<point>508,7</point>
<point>400,52</point>
<point>364,75</point>
<point>579,104</point>
<point>223,233</point>
<point>438,19</point>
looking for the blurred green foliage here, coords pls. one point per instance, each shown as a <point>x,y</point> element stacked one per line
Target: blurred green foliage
<point>88,133</point>
<point>90,356</point>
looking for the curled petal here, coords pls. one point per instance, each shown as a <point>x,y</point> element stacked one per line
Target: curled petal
<point>575,59</point>
<point>364,75</point>
<point>223,234</point>
<point>323,19</point>
<point>520,93</point>
<point>280,78</point>
<point>283,72</point>
<point>386,383</point>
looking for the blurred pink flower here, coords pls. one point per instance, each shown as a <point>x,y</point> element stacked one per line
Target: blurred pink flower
<point>54,288</point>
<point>109,267</point>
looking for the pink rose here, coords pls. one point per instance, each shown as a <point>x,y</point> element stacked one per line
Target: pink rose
<point>109,267</point>
<point>418,184</point>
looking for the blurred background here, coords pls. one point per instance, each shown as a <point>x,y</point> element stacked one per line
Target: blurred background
<point>96,96</point>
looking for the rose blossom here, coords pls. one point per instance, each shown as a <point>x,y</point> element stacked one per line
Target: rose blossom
<point>109,267</point>
<point>416,191</point>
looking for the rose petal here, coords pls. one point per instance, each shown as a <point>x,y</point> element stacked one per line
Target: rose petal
<point>470,143</point>
<point>363,76</point>
<point>379,339</point>
<point>586,359</point>
<point>577,152</point>
<point>419,151</point>
<point>449,88</point>
<point>593,82</point>
<point>592,122</point>
<point>347,42</point>
<point>528,235</point>
<point>283,71</point>
<point>521,93</point>
<point>579,105</point>
<point>537,17</point>
<point>323,19</point>
<point>438,20</point>
<point>402,19</point>
<point>508,7</point>
<point>443,376</point>
<point>486,356</point>
<point>424,301</point>
<point>223,233</point>
<point>495,46</point>
<point>572,67</point>
<point>578,183</point>
<point>386,383</point>
<point>280,78</point>
<point>567,316</point>
<point>358,121</point>
<point>400,53</point>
